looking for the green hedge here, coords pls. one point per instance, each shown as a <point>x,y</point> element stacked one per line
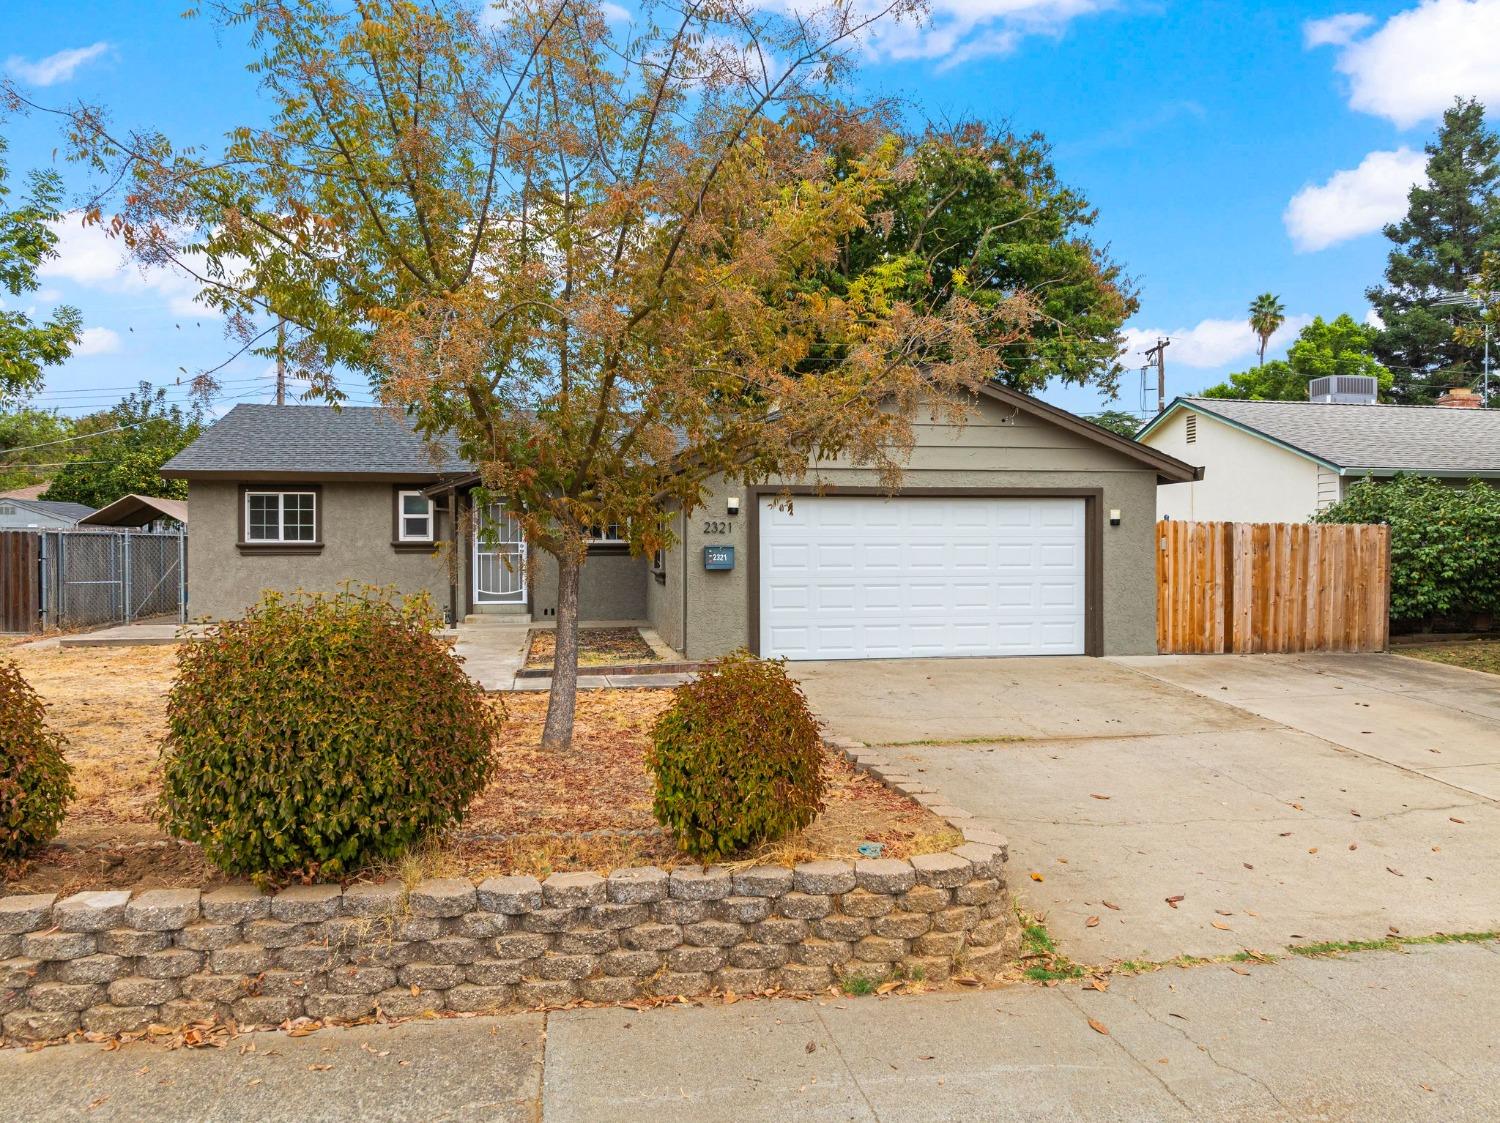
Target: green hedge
<point>35,780</point>
<point>1445,544</point>
<point>319,734</point>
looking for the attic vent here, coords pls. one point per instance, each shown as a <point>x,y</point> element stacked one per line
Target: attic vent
<point>1190,427</point>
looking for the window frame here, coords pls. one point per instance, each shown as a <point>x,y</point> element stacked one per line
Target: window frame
<point>282,545</point>
<point>399,537</point>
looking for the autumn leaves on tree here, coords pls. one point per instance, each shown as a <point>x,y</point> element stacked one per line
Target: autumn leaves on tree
<point>620,261</point>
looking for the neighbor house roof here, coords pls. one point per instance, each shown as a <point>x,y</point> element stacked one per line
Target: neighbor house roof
<point>1365,439</point>
<point>32,492</point>
<point>55,507</point>
<point>313,442</point>
<point>137,510</point>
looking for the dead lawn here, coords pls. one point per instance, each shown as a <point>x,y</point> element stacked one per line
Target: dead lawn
<point>597,647</point>
<point>588,809</point>
<point>1476,655</point>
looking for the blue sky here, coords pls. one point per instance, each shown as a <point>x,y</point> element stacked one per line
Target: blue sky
<point>1231,148</point>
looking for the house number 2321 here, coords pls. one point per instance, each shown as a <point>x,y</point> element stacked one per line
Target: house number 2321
<point>718,526</point>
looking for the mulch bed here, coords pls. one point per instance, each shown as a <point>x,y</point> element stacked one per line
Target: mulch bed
<point>597,647</point>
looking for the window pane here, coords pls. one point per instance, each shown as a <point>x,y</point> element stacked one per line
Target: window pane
<point>415,527</point>
<point>297,517</point>
<point>414,503</point>
<point>262,524</point>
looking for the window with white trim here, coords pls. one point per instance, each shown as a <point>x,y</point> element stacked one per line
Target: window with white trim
<point>414,517</point>
<point>609,532</point>
<point>281,516</point>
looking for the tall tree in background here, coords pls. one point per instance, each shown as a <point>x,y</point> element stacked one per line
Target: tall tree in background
<point>980,211</point>
<point>597,256</point>
<point>22,463</point>
<point>1267,314</point>
<point>1119,421</point>
<point>1451,222</point>
<point>131,443</point>
<point>1324,347</point>
<point>26,241</point>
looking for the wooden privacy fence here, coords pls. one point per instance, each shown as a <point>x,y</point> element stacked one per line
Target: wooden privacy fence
<point>1258,587</point>
<point>19,557</point>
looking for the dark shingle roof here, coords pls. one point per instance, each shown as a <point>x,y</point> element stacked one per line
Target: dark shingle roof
<point>56,507</point>
<point>313,441</point>
<point>1432,439</point>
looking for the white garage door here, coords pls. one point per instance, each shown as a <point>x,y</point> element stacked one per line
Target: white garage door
<point>854,577</point>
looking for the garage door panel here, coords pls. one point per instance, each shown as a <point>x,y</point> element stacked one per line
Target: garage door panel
<point>869,577</point>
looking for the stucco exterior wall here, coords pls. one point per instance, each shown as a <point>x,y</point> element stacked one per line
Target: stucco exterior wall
<point>998,448</point>
<point>612,586</point>
<point>1246,479</point>
<point>357,529</point>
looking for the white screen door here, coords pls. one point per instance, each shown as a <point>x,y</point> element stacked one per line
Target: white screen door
<point>499,557</point>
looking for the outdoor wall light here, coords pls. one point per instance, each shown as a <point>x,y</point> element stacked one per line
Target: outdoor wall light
<point>732,504</point>
<point>1114,516</point>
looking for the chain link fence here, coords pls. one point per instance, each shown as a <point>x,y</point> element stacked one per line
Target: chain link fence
<point>93,577</point>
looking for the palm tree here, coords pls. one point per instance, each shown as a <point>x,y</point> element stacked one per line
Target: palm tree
<point>1266,315</point>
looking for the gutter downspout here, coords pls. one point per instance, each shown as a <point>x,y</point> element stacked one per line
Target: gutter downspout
<point>683,512</point>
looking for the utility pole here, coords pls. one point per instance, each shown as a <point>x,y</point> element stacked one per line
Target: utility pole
<point>281,362</point>
<point>1159,352</point>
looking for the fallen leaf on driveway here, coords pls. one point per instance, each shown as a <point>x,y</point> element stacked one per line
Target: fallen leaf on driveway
<point>1221,926</point>
<point>1096,795</point>
<point>1247,865</point>
<point>1451,819</point>
<point>1223,912</point>
<point>888,986</point>
<point>730,998</point>
<point>811,1047</point>
<point>1354,846</point>
<point>1036,876</point>
<point>1098,1027</point>
<point>1091,922</point>
<point>1174,900</point>
<point>1426,1087</point>
<point>1390,869</point>
<point>1296,807</point>
<point>318,1068</point>
<point>1110,905</point>
<point>1312,849</point>
<point>1237,969</point>
<point>1098,982</point>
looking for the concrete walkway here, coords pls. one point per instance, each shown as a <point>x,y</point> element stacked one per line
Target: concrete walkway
<point>1376,1035</point>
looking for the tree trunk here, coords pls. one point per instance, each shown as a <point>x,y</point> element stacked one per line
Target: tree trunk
<point>1262,350</point>
<point>561,702</point>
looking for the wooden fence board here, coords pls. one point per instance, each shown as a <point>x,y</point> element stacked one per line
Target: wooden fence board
<point>1263,587</point>
<point>19,574</point>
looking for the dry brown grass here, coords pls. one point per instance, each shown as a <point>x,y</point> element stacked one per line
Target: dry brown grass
<point>542,812</point>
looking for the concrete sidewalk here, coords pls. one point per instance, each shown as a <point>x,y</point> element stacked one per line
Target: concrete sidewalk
<point>1376,1035</point>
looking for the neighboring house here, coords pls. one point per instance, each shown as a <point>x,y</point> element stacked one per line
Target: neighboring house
<point>1286,461</point>
<point>1025,531</point>
<point>40,514</point>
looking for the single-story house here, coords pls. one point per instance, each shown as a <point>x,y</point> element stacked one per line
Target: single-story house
<point>1286,461</point>
<point>1025,531</point>
<point>40,514</point>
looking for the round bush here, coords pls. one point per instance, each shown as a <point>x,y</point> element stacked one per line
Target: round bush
<point>34,778</point>
<point>319,734</point>
<point>737,759</point>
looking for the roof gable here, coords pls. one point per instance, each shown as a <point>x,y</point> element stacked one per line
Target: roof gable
<point>1373,439</point>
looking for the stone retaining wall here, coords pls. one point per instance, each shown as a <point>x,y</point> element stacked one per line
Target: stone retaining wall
<point>113,962</point>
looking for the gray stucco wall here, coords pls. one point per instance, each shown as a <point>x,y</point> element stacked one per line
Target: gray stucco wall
<point>997,448</point>
<point>612,586</point>
<point>357,528</point>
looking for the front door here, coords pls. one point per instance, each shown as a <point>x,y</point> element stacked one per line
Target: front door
<point>499,557</point>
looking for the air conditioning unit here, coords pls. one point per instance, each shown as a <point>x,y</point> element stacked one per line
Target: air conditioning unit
<point>1345,389</point>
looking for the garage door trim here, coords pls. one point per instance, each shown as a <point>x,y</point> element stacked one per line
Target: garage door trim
<point>1093,539</point>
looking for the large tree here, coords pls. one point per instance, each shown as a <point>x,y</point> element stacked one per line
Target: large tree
<point>31,445</point>
<point>120,451</point>
<point>980,210</point>
<point>1323,347</point>
<point>594,254</point>
<point>1451,222</point>
<point>27,345</point>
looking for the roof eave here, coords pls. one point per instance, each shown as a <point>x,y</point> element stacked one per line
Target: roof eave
<point>1198,407</point>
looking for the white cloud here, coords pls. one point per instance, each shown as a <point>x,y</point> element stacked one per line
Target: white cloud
<point>56,68</point>
<point>1210,343</point>
<point>97,341</point>
<point>1372,318</point>
<point>1411,68</point>
<point>1354,201</point>
<point>1335,31</point>
<point>89,257</point>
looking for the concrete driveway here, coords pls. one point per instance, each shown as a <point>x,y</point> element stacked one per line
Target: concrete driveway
<point>1285,799</point>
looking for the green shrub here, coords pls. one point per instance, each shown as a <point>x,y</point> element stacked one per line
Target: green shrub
<point>319,734</point>
<point>34,778</point>
<point>737,758</point>
<point>1445,543</point>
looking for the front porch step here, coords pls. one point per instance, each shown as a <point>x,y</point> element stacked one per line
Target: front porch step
<point>498,612</point>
